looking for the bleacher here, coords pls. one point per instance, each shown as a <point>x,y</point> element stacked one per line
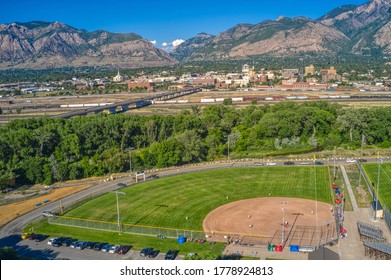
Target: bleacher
<point>380,251</point>
<point>369,232</point>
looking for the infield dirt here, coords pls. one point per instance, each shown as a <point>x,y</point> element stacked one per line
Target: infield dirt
<point>263,216</point>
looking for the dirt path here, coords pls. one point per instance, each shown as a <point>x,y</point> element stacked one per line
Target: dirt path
<point>11,211</point>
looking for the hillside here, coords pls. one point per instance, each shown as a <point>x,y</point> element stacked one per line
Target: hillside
<point>41,45</point>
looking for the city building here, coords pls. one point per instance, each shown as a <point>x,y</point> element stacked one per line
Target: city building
<point>118,78</point>
<point>310,70</point>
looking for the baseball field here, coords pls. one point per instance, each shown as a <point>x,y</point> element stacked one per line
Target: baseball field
<point>184,201</point>
<point>385,180</point>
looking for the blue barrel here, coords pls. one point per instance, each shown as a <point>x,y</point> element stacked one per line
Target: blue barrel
<point>181,239</point>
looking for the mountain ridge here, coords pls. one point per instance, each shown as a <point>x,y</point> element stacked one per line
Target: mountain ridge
<point>350,29</point>
<point>41,45</point>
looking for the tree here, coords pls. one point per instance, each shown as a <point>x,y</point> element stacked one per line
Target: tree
<point>8,253</point>
<point>227,101</point>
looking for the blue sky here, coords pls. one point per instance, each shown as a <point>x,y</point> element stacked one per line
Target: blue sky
<point>164,20</point>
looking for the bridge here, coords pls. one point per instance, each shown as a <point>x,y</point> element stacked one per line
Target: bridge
<point>129,104</point>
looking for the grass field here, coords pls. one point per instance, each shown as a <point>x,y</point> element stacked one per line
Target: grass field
<point>166,202</point>
<point>385,180</point>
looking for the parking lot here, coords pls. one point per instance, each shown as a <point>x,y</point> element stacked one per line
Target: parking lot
<point>67,253</point>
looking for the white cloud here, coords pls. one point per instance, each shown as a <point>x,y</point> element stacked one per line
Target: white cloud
<point>177,42</point>
<point>165,44</point>
<point>153,42</point>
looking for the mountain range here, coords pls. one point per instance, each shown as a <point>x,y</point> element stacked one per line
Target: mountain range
<point>50,45</point>
<point>361,30</point>
<point>350,29</point>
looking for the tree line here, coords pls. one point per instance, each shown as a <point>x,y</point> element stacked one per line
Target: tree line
<point>43,150</point>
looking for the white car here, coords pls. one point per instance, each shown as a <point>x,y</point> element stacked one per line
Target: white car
<point>47,214</point>
<point>271,163</point>
<point>350,160</point>
<point>114,249</point>
<point>50,241</point>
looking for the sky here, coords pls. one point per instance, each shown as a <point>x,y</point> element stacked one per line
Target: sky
<point>166,22</point>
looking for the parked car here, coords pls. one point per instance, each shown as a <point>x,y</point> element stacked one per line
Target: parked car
<point>106,248</point>
<point>153,253</point>
<point>32,236</point>
<point>91,245</point>
<point>40,237</point>
<point>114,249</point>
<point>289,163</point>
<point>363,160</point>
<point>99,246</point>
<point>171,255</point>
<point>305,163</point>
<point>74,244</point>
<point>58,241</point>
<point>350,160</point>
<point>26,235</point>
<point>50,241</point>
<point>259,164</point>
<point>67,242</point>
<point>319,163</point>
<point>145,252</point>
<point>271,163</point>
<point>81,245</point>
<point>124,249</point>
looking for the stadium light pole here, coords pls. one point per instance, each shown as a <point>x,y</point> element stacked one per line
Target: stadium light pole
<point>283,221</point>
<point>360,163</point>
<point>378,182</point>
<point>228,145</point>
<point>118,216</point>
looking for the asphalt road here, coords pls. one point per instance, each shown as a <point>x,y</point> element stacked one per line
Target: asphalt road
<point>10,233</point>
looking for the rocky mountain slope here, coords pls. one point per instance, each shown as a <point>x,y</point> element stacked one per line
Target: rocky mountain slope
<point>363,24</point>
<point>351,29</point>
<point>50,45</point>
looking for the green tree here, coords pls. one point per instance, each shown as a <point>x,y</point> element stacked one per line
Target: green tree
<point>8,253</point>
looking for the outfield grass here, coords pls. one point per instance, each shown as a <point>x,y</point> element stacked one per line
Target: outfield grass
<point>371,170</point>
<point>166,202</point>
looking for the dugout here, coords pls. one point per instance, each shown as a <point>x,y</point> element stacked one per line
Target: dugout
<point>323,254</point>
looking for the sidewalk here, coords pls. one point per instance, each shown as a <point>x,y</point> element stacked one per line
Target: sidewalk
<point>349,187</point>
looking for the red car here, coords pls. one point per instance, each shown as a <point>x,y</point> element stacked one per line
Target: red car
<point>123,249</point>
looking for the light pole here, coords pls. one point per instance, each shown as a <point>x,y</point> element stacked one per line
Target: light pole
<point>362,144</point>
<point>283,224</point>
<point>118,216</point>
<point>378,182</point>
<point>228,144</point>
<point>334,155</point>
